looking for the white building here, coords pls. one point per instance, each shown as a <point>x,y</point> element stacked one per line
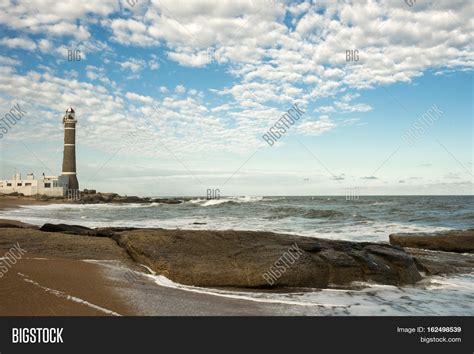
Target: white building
<point>52,186</point>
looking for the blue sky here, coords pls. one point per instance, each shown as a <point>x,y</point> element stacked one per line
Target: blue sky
<point>173,97</point>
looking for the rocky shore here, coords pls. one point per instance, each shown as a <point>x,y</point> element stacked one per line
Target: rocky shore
<point>86,197</point>
<point>460,241</point>
<point>240,259</point>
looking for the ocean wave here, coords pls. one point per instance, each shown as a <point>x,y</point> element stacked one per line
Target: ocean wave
<point>229,201</point>
<point>66,206</point>
<point>286,212</point>
<point>322,213</point>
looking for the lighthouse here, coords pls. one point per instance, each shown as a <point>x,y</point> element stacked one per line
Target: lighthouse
<point>69,158</point>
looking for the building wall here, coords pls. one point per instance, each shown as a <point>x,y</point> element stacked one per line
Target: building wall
<point>57,186</point>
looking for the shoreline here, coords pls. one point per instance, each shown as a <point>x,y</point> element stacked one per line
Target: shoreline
<point>8,202</point>
<point>196,264</point>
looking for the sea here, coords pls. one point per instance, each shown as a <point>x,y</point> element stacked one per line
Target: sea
<point>364,218</point>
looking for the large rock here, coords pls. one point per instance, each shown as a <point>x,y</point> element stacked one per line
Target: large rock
<point>441,263</point>
<point>243,258</point>
<point>461,241</point>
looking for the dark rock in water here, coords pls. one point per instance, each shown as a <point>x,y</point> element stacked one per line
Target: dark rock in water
<point>135,199</point>
<point>68,229</point>
<point>167,201</point>
<point>265,259</point>
<point>199,223</point>
<point>461,241</point>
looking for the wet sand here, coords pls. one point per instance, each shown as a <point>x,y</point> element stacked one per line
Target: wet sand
<point>36,286</point>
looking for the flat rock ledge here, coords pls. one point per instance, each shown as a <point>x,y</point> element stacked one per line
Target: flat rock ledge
<point>250,259</point>
<point>257,259</point>
<point>253,259</point>
<point>460,241</point>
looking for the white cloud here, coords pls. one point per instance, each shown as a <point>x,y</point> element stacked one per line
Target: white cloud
<point>8,61</point>
<point>45,45</point>
<point>23,43</point>
<point>347,107</point>
<point>180,89</point>
<point>134,65</point>
<point>153,64</point>
<point>318,127</point>
<point>139,98</point>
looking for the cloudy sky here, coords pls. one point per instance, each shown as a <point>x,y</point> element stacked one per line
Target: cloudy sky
<point>173,97</point>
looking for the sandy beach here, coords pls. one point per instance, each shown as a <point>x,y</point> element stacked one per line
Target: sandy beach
<point>7,202</point>
<point>38,286</point>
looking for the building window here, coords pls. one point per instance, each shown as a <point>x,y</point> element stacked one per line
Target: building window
<point>27,184</point>
<point>47,185</point>
<point>18,184</point>
<point>9,184</point>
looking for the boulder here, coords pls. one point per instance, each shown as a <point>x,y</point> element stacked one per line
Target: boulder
<point>68,229</point>
<point>264,259</point>
<point>461,241</point>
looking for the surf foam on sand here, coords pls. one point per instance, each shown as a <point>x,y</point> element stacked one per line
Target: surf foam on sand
<point>67,296</point>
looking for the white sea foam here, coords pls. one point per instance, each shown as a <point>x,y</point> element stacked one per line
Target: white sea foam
<point>210,202</point>
<point>61,294</point>
<point>430,297</point>
<point>257,297</point>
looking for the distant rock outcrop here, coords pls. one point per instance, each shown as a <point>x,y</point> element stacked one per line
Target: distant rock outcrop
<point>96,198</point>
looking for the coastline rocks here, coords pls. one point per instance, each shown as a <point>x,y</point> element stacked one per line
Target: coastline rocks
<point>242,258</point>
<point>92,197</point>
<point>253,259</point>
<point>96,198</point>
<point>439,263</point>
<point>461,241</point>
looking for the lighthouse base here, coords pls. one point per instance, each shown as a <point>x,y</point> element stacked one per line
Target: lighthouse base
<point>73,183</point>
